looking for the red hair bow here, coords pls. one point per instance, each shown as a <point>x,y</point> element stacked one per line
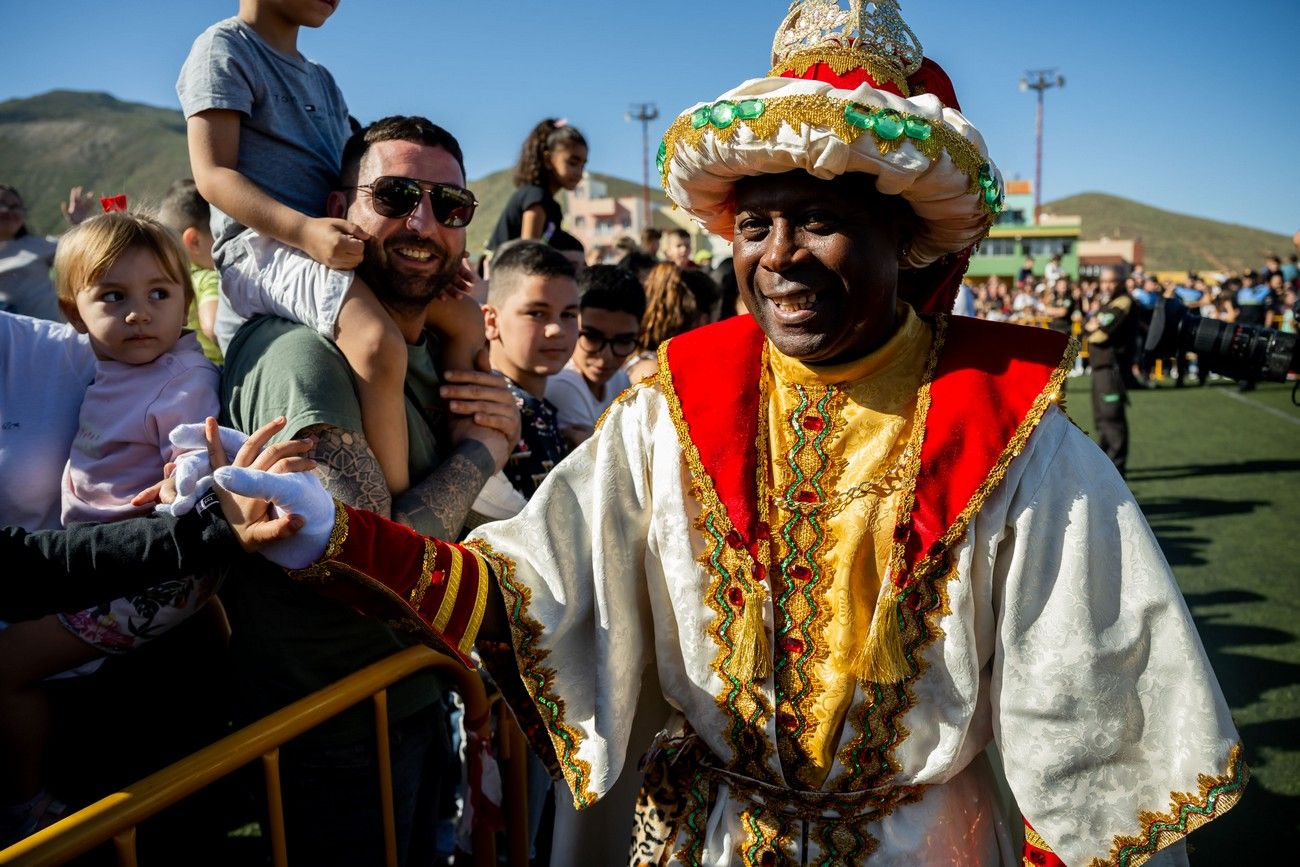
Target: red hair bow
<point>113,203</point>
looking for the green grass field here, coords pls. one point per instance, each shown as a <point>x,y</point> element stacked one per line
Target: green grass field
<point>1218,476</point>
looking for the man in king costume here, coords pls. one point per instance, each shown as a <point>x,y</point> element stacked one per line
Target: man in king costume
<point>849,540</point>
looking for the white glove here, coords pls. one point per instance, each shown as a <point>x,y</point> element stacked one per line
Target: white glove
<point>193,474</point>
<point>299,494</point>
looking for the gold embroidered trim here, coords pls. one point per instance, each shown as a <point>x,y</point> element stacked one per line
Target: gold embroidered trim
<point>1050,394</point>
<point>1033,838</point>
<point>339,534</point>
<point>1187,812</point>
<point>746,704</point>
<point>841,60</point>
<point>626,396</point>
<point>480,604</point>
<point>814,110</point>
<point>877,723</point>
<point>426,573</point>
<point>320,572</point>
<point>810,536</point>
<point>538,679</point>
<point>448,604</point>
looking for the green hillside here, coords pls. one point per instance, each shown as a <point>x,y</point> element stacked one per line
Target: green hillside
<point>60,139</point>
<point>1174,242</point>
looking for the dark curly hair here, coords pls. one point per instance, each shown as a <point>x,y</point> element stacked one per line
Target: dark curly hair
<point>22,230</point>
<point>545,137</point>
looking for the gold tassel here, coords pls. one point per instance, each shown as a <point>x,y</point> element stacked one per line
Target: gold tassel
<point>751,660</point>
<point>880,659</point>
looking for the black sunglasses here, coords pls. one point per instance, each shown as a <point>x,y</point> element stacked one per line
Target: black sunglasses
<point>392,196</point>
<point>595,342</point>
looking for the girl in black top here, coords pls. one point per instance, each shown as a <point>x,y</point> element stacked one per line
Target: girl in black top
<point>552,159</point>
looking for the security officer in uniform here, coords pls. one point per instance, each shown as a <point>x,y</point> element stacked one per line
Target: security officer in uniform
<point>1111,336</point>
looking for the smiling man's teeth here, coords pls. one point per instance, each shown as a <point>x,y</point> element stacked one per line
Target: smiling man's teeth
<point>412,253</point>
<point>795,303</point>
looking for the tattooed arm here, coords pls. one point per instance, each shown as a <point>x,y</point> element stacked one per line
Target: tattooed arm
<point>485,428</point>
<point>435,506</point>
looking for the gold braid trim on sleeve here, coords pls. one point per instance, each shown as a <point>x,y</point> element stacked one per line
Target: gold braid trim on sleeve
<point>1187,812</point>
<point>320,570</point>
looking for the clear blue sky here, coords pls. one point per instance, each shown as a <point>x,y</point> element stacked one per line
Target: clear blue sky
<point>1191,106</point>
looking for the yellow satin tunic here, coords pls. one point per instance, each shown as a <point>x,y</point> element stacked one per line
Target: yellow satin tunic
<point>836,438</point>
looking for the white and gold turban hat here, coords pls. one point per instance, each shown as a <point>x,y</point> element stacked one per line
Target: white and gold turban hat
<point>849,91</point>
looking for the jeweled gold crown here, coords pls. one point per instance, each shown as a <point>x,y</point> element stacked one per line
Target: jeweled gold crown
<point>872,30</point>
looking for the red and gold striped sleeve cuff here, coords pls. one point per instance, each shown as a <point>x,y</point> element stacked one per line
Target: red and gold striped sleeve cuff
<point>386,570</point>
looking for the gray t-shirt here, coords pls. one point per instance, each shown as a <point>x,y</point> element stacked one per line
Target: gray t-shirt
<point>294,120</point>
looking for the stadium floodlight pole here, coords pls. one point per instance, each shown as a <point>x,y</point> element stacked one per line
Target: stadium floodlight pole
<point>1040,80</point>
<point>644,112</point>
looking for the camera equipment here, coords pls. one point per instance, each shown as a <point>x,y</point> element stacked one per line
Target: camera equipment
<point>1237,351</point>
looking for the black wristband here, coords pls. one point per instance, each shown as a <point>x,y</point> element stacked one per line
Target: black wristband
<point>207,503</point>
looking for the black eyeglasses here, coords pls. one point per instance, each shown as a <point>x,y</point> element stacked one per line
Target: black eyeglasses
<point>595,342</point>
<point>392,196</point>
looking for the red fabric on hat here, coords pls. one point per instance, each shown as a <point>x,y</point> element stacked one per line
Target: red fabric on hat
<point>931,78</point>
<point>851,80</point>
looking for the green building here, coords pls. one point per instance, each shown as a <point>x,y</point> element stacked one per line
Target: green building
<point>1015,237</point>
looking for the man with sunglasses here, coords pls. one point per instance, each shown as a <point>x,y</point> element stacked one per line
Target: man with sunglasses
<point>609,321</point>
<point>403,183</point>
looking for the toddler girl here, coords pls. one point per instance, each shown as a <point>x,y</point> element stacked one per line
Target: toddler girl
<point>122,280</point>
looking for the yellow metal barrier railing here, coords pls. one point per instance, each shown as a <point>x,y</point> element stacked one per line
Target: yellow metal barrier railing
<point>117,816</point>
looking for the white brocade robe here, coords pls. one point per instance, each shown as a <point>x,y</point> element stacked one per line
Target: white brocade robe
<point>1064,640</point>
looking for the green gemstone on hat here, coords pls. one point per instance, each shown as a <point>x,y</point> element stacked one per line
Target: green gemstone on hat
<point>858,116</point>
<point>992,195</point>
<point>723,114</point>
<point>749,109</point>
<point>662,156</point>
<point>888,125</point>
<point>915,128</point>
<point>700,117</point>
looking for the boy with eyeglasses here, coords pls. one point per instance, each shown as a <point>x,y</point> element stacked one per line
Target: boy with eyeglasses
<point>266,130</point>
<point>531,322</point>
<point>612,305</point>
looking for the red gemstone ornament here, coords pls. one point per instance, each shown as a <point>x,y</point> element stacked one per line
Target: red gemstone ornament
<point>437,576</point>
<point>813,423</point>
<point>790,644</point>
<point>787,720</point>
<point>806,496</point>
<point>799,573</point>
<point>914,601</point>
<point>734,540</point>
<point>763,531</point>
<point>735,596</point>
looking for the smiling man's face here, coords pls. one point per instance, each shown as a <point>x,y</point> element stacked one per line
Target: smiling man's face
<point>817,262</point>
<point>411,260</point>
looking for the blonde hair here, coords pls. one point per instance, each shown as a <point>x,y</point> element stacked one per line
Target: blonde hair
<point>86,252</point>
<point>670,307</point>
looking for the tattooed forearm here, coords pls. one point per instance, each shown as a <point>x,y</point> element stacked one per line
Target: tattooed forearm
<point>437,506</point>
<point>349,469</point>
